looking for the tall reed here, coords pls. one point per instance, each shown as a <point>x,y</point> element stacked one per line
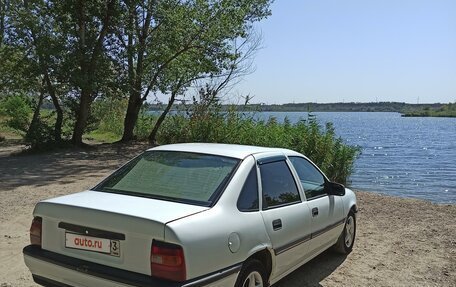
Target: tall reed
<point>308,137</point>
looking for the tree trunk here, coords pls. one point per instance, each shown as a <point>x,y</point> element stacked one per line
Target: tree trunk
<point>135,74</point>
<point>3,10</point>
<point>89,66</point>
<point>36,115</point>
<point>134,106</point>
<point>58,108</point>
<point>81,117</point>
<point>153,134</point>
<point>59,120</point>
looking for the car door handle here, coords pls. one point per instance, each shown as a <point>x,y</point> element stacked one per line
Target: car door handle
<point>276,224</point>
<point>314,211</point>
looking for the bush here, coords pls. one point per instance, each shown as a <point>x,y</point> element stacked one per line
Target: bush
<point>320,144</point>
<point>41,135</point>
<point>18,111</point>
<point>144,124</point>
<point>107,115</point>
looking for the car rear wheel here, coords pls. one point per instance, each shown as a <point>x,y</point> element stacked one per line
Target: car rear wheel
<point>253,274</point>
<point>346,239</point>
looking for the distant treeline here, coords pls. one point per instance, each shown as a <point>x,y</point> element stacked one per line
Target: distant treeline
<point>448,110</point>
<point>328,107</point>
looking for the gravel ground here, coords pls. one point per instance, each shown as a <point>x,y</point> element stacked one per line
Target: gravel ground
<point>400,242</point>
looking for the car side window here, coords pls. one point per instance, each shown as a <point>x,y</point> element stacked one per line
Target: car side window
<point>248,199</point>
<point>278,185</point>
<point>312,181</point>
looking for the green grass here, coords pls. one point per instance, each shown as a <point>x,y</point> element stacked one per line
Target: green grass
<point>102,136</point>
<point>7,132</point>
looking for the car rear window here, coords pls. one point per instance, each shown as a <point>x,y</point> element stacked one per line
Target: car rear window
<point>170,175</point>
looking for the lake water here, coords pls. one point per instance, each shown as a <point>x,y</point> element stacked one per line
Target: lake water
<point>409,157</point>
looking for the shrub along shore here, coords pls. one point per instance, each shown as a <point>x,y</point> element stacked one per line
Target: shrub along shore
<point>212,125</point>
<point>202,122</point>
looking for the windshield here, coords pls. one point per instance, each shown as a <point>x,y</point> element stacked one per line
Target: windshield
<point>170,175</point>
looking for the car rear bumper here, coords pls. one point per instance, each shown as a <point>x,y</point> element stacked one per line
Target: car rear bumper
<point>55,270</point>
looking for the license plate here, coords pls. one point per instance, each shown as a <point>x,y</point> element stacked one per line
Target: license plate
<point>95,244</point>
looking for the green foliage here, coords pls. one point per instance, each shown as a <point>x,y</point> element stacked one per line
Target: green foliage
<point>40,136</point>
<point>18,111</point>
<point>102,137</point>
<point>320,144</point>
<point>107,118</point>
<point>107,115</point>
<point>144,124</point>
<point>448,110</point>
<point>79,51</point>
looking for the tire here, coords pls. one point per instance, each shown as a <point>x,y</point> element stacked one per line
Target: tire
<point>346,239</point>
<point>252,274</point>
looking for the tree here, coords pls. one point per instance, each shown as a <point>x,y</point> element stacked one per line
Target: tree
<point>3,9</point>
<point>34,38</point>
<point>211,82</point>
<point>82,50</point>
<point>85,27</point>
<point>156,35</point>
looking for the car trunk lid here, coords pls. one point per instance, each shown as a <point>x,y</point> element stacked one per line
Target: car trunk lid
<point>110,229</point>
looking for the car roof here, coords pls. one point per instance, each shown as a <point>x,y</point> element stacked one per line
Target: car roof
<point>228,150</point>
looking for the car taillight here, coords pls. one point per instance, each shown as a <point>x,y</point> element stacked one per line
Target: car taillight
<point>35,231</point>
<point>167,261</point>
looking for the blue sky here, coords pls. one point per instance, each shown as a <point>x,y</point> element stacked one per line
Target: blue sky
<point>356,51</point>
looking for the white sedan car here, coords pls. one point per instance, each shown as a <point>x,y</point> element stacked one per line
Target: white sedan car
<point>192,215</point>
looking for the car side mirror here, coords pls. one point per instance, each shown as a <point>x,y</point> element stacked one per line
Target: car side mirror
<point>333,188</point>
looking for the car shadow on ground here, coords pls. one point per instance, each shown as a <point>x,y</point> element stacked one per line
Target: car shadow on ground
<point>314,271</point>
<point>18,168</point>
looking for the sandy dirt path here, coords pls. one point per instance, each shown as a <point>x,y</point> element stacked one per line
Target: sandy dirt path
<point>400,242</point>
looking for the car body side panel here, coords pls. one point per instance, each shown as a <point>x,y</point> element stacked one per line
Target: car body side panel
<point>290,242</point>
<point>205,236</point>
<point>349,200</point>
<point>205,239</point>
<point>326,225</point>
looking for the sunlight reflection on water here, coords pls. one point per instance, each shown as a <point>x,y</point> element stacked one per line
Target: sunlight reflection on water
<point>411,157</point>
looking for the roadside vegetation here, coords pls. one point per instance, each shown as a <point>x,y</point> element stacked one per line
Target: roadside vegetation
<point>448,110</point>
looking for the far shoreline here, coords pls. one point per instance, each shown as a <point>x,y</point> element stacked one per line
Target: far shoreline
<point>398,107</point>
<point>427,116</point>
